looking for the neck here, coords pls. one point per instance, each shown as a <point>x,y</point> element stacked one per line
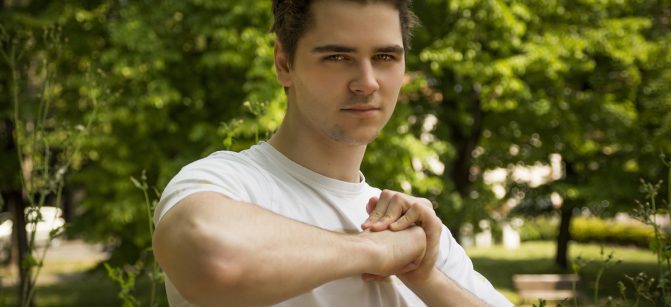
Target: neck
<point>319,153</point>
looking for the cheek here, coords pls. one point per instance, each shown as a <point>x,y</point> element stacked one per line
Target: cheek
<point>393,81</point>
<point>320,81</point>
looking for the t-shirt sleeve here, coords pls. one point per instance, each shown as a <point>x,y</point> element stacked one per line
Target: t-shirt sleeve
<point>455,263</point>
<point>222,172</point>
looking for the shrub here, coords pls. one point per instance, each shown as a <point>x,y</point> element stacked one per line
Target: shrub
<point>539,228</point>
<point>589,229</point>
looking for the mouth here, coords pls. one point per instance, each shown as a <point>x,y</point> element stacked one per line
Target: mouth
<point>362,110</point>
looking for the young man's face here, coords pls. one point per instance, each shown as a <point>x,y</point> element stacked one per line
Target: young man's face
<point>347,71</point>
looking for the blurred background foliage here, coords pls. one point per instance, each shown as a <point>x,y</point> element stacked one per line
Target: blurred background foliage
<point>490,84</point>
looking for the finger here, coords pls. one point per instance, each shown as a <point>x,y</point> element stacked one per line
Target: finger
<point>395,209</point>
<point>432,226</point>
<point>409,268</point>
<point>372,203</point>
<point>408,219</point>
<point>428,204</point>
<point>380,208</point>
<point>415,264</point>
<point>368,277</point>
<point>372,277</point>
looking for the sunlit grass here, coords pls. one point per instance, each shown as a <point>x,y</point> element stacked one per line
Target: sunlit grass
<point>499,265</point>
<point>65,282</point>
<point>79,288</point>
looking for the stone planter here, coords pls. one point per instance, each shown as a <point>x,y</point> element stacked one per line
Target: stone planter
<point>545,286</point>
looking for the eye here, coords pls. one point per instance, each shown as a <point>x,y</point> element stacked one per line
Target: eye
<point>335,58</point>
<point>384,57</point>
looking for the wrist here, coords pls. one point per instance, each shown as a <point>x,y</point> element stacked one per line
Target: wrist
<point>370,250</point>
<point>421,281</point>
<point>439,290</point>
<point>390,252</point>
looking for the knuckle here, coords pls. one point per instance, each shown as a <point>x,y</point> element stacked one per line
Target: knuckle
<point>429,207</point>
<point>426,202</point>
<point>386,193</point>
<point>398,197</point>
<point>421,209</point>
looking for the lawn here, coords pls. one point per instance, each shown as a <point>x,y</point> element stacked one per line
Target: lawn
<point>81,287</point>
<point>499,265</point>
<point>73,283</point>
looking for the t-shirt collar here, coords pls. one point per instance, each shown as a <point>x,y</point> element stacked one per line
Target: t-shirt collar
<point>309,176</point>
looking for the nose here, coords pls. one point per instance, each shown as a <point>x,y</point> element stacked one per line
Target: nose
<point>365,82</point>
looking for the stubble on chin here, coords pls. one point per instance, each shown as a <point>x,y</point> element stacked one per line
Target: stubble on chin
<point>340,135</point>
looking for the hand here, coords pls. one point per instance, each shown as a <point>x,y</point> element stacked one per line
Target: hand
<point>397,211</point>
<point>395,252</point>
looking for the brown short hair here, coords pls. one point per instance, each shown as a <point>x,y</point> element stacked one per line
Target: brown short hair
<point>292,19</point>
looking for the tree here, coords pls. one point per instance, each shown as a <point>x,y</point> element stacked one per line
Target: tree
<point>39,147</point>
<point>517,81</point>
<point>491,84</point>
<point>185,79</point>
<point>169,78</point>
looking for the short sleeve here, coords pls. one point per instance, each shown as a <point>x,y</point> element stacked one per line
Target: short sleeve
<point>455,263</point>
<point>223,172</point>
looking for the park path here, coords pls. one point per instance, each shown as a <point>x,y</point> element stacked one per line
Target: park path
<point>63,261</point>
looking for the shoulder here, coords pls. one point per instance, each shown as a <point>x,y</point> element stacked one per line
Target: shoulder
<point>235,175</point>
<point>221,160</point>
<point>242,165</point>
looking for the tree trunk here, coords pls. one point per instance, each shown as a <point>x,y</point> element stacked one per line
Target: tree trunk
<point>465,139</point>
<point>17,206</point>
<point>456,231</point>
<point>13,195</point>
<point>564,236</point>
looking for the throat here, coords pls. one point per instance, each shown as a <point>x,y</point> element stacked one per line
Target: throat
<point>321,155</point>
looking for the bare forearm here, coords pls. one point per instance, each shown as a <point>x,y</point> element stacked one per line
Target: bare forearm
<point>237,254</point>
<point>440,290</point>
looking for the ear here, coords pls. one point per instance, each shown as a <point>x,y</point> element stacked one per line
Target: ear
<point>282,65</point>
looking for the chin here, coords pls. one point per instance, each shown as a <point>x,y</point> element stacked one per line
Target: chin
<point>352,137</point>
<point>357,140</point>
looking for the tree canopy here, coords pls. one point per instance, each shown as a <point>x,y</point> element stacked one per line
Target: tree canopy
<point>491,84</point>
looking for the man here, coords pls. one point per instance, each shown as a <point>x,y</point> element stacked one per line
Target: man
<point>281,223</point>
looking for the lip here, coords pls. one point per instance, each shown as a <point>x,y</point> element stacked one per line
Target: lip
<point>363,111</point>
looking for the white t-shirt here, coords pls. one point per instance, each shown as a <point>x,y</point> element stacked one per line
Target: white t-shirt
<point>263,176</point>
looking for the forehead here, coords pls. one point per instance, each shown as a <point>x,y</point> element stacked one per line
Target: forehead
<point>353,24</point>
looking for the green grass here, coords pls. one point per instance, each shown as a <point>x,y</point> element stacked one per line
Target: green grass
<point>499,265</point>
<point>79,287</point>
<point>92,289</point>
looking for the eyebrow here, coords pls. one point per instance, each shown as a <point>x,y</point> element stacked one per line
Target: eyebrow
<point>344,49</point>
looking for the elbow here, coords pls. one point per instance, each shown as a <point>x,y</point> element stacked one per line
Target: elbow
<point>205,262</point>
<point>203,272</point>
<point>217,284</point>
